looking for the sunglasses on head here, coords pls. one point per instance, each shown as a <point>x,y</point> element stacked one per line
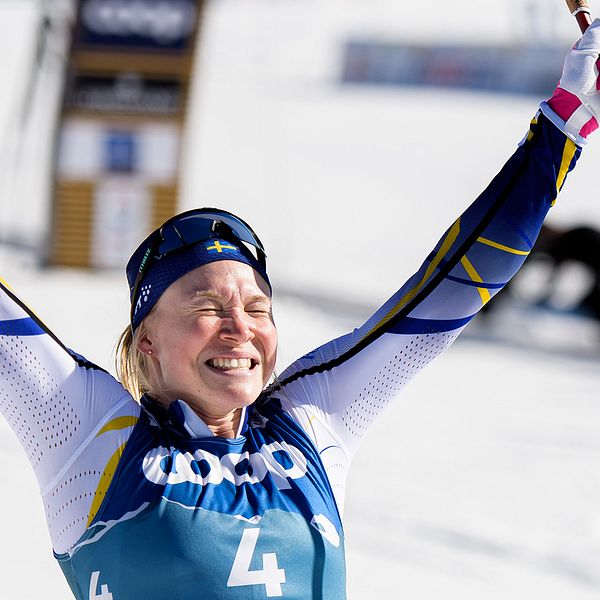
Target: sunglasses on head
<point>192,227</point>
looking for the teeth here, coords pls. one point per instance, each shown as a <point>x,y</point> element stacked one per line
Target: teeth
<point>231,363</point>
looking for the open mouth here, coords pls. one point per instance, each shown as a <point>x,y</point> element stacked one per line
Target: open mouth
<point>229,364</point>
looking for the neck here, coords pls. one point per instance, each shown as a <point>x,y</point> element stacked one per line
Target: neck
<point>226,426</point>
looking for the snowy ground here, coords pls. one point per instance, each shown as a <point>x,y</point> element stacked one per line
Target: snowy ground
<point>492,486</point>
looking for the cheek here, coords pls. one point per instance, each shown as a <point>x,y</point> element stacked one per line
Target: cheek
<point>270,341</point>
<point>180,342</point>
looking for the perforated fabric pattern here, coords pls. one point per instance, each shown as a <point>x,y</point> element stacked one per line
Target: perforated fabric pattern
<point>69,502</point>
<point>337,406</point>
<point>67,507</point>
<point>58,410</point>
<point>32,402</point>
<point>380,390</point>
<point>51,402</point>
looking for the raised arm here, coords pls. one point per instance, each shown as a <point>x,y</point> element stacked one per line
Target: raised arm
<point>69,415</point>
<point>337,390</point>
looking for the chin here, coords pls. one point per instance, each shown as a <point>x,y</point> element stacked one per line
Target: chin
<point>239,398</point>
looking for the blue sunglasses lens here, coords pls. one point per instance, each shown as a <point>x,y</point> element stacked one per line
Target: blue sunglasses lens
<point>198,227</point>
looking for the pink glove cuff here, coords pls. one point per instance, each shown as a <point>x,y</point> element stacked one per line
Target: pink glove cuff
<point>578,119</point>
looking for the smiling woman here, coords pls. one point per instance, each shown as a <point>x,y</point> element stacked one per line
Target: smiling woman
<point>193,476</point>
<point>211,342</point>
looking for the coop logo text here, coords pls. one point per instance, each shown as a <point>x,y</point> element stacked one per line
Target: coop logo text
<point>169,466</point>
<point>164,21</point>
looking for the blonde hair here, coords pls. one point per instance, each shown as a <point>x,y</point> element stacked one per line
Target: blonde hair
<point>132,364</point>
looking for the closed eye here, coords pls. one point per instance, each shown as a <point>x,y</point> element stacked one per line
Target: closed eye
<point>259,309</point>
<point>205,309</point>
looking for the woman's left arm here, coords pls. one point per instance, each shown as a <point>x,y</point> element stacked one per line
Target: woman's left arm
<point>336,391</point>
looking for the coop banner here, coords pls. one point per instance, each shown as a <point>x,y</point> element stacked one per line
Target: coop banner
<point>138,24</point>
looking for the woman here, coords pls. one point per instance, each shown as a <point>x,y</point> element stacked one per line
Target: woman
<point>214,485</point>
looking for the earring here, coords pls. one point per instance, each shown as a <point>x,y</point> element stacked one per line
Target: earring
<point>149,352</point>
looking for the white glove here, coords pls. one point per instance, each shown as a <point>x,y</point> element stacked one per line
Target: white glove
<point>576,100</point>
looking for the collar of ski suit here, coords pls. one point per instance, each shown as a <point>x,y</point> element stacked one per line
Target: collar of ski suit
<point>180,419</point>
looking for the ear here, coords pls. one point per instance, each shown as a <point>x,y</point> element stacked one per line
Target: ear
<point>144,344</point>
<point>145,340</point>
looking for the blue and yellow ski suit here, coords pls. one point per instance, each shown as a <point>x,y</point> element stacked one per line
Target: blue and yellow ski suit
<point>144,502</point>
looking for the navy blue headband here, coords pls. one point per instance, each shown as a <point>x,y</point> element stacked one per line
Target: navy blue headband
<point>168,269</point>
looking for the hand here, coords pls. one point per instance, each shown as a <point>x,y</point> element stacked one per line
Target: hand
<point>576,100</point>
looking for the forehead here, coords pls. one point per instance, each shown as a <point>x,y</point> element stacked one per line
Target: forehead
<point>222,277</point>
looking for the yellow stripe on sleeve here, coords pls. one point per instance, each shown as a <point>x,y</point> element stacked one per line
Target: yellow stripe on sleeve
<point>474,275</point>
<point>118,423</point>
<point>530,132</point>
<point>105,481</point>
<point>568,154</point>
<point>444,249</point>
<point>502,247</point>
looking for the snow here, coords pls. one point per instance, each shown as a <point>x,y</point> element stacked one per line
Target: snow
<point>482,479</point>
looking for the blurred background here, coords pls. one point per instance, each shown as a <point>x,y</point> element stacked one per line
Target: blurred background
<point>350,134</point>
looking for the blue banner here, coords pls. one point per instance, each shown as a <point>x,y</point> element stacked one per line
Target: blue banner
<point>141,25</point>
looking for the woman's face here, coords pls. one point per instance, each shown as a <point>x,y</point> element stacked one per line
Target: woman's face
<point>211,340</point>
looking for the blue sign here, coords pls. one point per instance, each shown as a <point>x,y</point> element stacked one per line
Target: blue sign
<point>139,24</point>
<point>120,152</point>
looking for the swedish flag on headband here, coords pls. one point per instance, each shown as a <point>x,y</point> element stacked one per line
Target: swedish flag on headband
<point>219,246</point>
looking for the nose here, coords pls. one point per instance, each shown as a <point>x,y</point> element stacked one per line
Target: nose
<point>236,327</point>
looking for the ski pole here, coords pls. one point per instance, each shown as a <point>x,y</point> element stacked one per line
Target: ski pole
<point>581,11</point>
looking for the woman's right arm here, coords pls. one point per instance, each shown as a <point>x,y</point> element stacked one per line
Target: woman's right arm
<point>71,417</point>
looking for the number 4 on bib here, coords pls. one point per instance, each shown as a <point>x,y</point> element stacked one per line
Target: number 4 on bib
<point>104,593</point>
<point>271,576</point>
